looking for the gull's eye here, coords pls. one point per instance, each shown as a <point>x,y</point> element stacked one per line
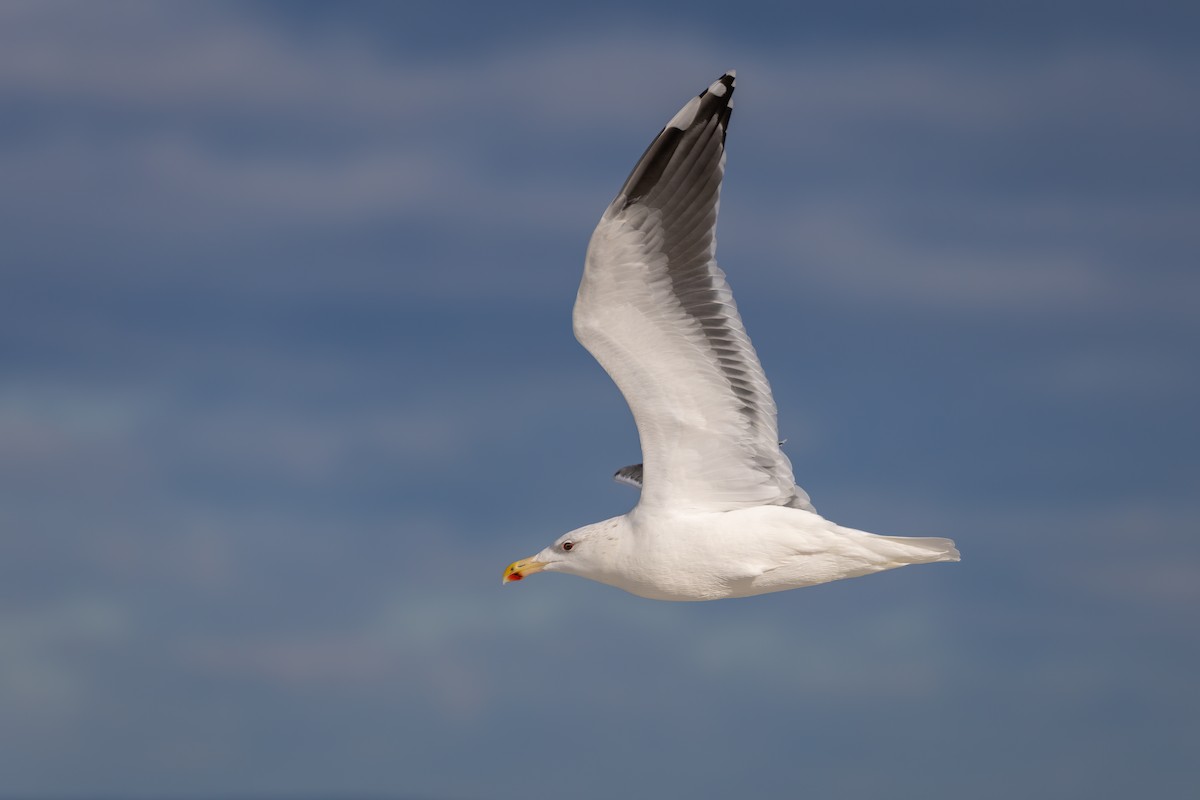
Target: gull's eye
<point>567,545</point>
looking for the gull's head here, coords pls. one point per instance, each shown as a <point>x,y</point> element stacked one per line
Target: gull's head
<point>587,552</point>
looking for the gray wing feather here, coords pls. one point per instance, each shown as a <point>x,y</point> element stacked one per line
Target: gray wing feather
<point>630,475</point>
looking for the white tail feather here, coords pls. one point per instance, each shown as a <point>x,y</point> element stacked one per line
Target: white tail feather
<point>928,549</point>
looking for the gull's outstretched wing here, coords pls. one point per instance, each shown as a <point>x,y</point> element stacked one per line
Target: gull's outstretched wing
<point>655,311</point>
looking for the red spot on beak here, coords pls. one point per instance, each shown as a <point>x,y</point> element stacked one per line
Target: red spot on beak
<point>516,576</point>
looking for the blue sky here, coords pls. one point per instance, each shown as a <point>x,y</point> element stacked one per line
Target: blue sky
<point>287,377</point>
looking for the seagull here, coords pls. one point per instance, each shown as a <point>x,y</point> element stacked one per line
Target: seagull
<point>720,514</point>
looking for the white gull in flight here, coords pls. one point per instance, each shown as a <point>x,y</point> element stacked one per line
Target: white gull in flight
<point>720,513</point>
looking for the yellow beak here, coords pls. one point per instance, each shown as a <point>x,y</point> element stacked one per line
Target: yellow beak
<point>519,569</point>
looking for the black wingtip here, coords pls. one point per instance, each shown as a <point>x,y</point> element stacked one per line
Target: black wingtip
<point>714,101</point>
<point>727,82</point>
<point>721,101</point>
